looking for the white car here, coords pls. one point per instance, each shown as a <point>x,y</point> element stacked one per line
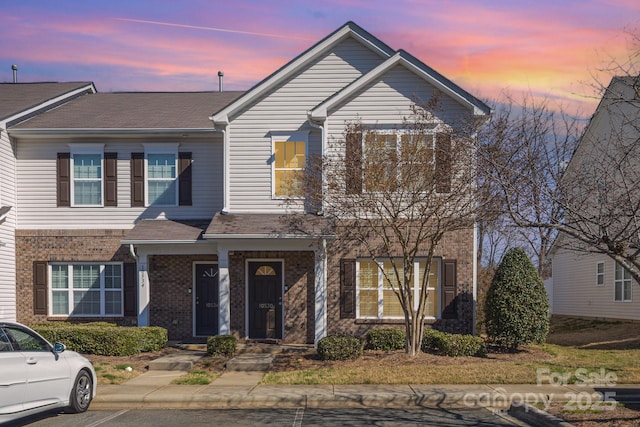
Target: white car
<point>36,376</point>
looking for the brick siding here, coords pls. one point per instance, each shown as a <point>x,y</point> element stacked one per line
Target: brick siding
<point>63,246</point>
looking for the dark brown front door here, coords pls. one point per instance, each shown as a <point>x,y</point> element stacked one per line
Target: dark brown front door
<point>206,300</point>
<point>265,299</point>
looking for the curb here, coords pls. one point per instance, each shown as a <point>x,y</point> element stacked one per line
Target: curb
<point>535,417</point>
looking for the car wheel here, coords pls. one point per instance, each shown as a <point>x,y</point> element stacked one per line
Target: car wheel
<point>81,392</point>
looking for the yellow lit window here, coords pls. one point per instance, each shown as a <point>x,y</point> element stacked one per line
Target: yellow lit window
<point>290,158</point>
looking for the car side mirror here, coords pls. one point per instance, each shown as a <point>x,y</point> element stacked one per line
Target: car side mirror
<point>58,347</point>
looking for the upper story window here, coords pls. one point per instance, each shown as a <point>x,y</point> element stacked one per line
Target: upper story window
<point>87,177</point>
<point>288,165</point>
<point>388,160</point>
<point>161,176</point>
<point>162,188</point>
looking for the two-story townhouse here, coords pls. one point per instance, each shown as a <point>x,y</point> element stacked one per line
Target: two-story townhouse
<point>604,175</point>
<point>19,102</point>
<point>141,209</point>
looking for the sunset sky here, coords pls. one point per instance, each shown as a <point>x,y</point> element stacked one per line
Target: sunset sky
<point>548,48</point>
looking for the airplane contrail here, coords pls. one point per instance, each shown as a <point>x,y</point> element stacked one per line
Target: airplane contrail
<point>223,30</point>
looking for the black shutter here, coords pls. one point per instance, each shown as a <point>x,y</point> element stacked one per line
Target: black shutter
<point>449,285</point>
<point>184,179</point>
<point>443,162</point>
<point>130,289</point>
<point>40,287</point>
<point>137,179</point>
<point>347,288</point>
<point>111,179</point>
<point>353,160</point>
<point>63,179</point>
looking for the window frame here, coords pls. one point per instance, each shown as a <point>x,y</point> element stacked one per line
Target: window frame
<point>103,290</point>
<point>399,134</point>
<point>622,282</point>
<point>600,275</point>
<point>291,137</point>
<point>86,150</point>
<point>161,149</point>
<point>381,288</point>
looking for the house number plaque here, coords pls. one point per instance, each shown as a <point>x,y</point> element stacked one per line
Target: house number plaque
<point>265,305</point>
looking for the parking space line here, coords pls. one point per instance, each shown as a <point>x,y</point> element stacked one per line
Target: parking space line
<point>297,422</point>
<point>108,418</point>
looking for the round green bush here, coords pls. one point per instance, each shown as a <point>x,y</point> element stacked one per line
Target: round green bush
<point>454,345</point>
<point>339,347</point>
<point>221,345</point>
<point>386,339</point>
<point>516,306</point>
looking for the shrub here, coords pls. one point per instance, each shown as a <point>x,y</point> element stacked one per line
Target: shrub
<point>453,345</point>
<point>221,345</point>
<point>386,339</point>
<point>339,347</point>
<point>516,307</point>
<point>105,339</point>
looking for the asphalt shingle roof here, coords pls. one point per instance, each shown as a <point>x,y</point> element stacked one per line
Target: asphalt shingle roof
<point>18,97</point>
<point>134,110</point>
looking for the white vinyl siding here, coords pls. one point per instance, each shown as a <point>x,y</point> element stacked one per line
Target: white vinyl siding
<point>285,108</point>
<point>7,230</point>
<point>574,293</point>
<point>36,172</point>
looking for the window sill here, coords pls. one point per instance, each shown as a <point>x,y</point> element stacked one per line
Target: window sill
<point>427,321</point>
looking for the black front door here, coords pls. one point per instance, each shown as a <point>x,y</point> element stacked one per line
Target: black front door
<point>206,300</point>
<point>265,300</point>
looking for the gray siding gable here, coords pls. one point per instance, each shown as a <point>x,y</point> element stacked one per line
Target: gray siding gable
<point>302,61</point>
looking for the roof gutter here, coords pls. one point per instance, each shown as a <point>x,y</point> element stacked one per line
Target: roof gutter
<point>96,132</point>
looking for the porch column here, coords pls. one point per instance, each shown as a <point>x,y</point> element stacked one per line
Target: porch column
<point>143,290</point>
<point>224,292</point>
<point>320,297</point>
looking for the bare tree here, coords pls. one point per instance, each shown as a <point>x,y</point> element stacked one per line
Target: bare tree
<point>591,203</point>
<point>396,195</point>
<point>530,148</point>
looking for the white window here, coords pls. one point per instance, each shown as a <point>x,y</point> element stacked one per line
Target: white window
<point>600,273</point>
<point>162,175</point>
<point>398,159</point>
<point>86,175</point>
<point>288,164</point>
<point>86,289</point>
<point>622,284</point>
<point>376,281</point>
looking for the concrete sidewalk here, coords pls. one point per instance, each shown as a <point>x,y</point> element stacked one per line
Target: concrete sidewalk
<point>242,390</point>
<point>237,389</point>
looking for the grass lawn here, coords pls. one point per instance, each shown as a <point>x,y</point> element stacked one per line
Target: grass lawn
<point>594,347</point>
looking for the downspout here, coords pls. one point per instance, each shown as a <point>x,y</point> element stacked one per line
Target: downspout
<point>225,172</point>
<point>225,166</point>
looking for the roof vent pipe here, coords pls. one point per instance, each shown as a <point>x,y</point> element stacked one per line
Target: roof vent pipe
<point>14,67</point>
<point>220,76</point>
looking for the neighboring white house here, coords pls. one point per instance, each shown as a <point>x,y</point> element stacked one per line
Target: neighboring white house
<point>18,102</point>
<point>586,282</point>
<point>169,209</point>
